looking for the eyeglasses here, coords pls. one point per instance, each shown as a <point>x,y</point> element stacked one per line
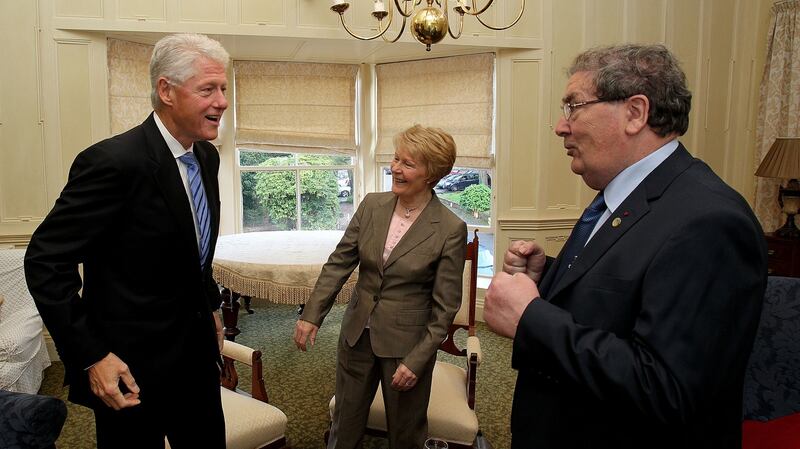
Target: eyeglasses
<point>569,108</point>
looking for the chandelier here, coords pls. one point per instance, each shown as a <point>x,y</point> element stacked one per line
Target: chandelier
<point>429,25</point>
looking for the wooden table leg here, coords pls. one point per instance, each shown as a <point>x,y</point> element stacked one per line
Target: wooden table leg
<point>230,313</point>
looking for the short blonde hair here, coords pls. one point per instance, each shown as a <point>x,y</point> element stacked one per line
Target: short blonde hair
<point>432,147</point>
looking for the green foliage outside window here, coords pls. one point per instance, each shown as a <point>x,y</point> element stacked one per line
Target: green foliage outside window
<point>476,198</point>
<point>249,199</point>
<point>275,192</point>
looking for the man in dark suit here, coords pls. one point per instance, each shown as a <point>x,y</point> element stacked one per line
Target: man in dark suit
<point>140,211</point>
<point>638,338</point>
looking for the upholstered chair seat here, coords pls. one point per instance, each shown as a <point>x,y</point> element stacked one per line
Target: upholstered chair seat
<point>250,421</point>
<point>449,416</point>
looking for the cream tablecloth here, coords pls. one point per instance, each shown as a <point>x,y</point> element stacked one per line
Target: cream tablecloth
<point>280,266</point>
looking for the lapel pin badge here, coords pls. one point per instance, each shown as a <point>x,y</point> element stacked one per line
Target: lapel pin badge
<point>616,222</point>
<point>625,214</point>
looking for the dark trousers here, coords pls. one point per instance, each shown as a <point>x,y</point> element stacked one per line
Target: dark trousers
<point>189,414</point>
<point>358,373</point>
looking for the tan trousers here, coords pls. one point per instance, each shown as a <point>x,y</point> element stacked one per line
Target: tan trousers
<point>358,374</point>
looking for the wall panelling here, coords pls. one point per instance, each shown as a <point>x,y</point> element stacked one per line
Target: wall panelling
<point>23,198</point>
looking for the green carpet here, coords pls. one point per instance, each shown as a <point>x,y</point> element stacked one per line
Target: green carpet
<point>301,384</point>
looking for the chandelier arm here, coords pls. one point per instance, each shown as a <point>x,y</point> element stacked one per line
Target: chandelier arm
<point>399,33</point>
<point>519,16</point>
<point>460,24</point>
<point>403,11</point>
<point>482,10</point>
<point>362,38</point>
<point>460,28</point>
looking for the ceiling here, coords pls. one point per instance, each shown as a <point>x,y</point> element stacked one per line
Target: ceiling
<point>344,50</point>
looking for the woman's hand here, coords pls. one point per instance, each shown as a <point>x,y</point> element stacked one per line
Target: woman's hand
<point>403,378</point>
<point>303,330</point>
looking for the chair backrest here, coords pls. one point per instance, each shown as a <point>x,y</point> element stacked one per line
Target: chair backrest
<point>465,318</point>
<point>772,378</point>
<point>232,351</point>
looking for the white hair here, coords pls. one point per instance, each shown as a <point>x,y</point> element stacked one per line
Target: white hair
<point>174,58</point>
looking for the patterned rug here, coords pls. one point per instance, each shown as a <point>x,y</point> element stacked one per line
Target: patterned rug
<point>301,384</point>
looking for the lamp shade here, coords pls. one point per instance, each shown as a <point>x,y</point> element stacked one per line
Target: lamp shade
<point>782,160</point>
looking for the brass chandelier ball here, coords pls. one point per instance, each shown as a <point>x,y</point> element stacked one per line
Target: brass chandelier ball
<point>429,26</point>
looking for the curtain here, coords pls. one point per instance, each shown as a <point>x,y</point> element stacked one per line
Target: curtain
<point>295,107</point>
<point>454,93</point>
<point>779,103</point>
<point>128,84</point>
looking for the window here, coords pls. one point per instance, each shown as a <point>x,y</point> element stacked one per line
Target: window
<point>295,135</point>
<point>295,191</point>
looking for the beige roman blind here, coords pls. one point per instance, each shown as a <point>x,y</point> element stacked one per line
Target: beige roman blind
<point>455,94</point>
<point>297,107</point>
<point>128,84</point>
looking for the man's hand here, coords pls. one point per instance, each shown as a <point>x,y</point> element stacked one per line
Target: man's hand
<point>104,379</point>
<point>220,330</point>
<point>304,330</point>
<point>506,299</point>
<point>525,257</point>
<point>403,378</point>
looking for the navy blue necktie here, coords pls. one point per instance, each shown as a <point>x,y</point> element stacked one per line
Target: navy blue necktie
<point>580,234</point>
<point>200,203</point>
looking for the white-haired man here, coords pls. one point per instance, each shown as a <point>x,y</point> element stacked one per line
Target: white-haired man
<point>140,343</point>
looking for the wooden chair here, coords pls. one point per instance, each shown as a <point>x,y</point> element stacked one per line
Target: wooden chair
<point>451,411</point>
<point>250,421</point>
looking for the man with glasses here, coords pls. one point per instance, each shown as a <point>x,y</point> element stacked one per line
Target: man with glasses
<point>638,333</point>
<point>139,335</point>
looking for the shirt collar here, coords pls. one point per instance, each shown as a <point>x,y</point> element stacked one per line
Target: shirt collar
<point>175,147</point>
<point>627,180</point>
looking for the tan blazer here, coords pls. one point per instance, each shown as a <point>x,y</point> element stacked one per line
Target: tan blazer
<point>413,299</point>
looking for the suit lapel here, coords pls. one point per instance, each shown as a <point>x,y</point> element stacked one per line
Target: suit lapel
<point>632,209</point>
<point>381,218</point>
<point>424,226</point>
<point>169,182</point>
<point>627,214</point>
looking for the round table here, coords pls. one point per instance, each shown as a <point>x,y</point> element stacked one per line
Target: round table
<point>279,266</point>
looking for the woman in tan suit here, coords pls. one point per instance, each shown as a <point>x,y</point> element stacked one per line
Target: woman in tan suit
<point>410,252</point>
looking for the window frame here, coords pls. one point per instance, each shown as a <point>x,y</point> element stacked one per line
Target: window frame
<point>296,168</point>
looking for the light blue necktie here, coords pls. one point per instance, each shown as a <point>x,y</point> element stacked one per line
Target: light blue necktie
<point>580,234</point>
<point>200,203</point>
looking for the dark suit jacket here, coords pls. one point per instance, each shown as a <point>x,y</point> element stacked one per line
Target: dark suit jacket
<point>643,342</point>
<point>125,215</point>
<point>413,299</point>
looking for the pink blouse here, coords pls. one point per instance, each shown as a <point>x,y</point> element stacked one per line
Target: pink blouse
<point>397,229</point>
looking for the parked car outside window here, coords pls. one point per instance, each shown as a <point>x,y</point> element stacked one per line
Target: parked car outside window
<point>460,182</point>
<point>345,189</point>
